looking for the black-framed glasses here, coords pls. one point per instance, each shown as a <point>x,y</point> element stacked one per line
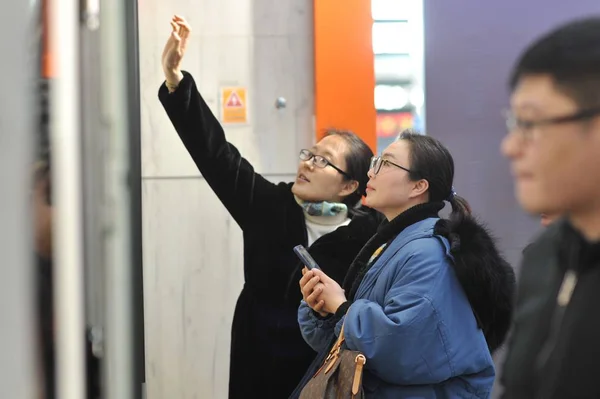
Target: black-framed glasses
<point>378,162</point>
<point>526,127</point>
<point>320,161</point>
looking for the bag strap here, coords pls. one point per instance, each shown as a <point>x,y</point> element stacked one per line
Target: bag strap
<point>333,352</point>
<point>338,342</point>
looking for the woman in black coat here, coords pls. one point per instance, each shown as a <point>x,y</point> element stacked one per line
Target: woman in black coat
<point>268,354</point>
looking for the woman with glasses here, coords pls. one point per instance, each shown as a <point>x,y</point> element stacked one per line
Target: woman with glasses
<point>319,209</point>
<point>427,299</point>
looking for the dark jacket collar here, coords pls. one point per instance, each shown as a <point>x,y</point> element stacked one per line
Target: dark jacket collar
<point>574,251</point>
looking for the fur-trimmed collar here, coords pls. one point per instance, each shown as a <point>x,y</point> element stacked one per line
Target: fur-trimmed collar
<point>487,278</point>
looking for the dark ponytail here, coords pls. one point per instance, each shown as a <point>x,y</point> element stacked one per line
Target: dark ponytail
<point>431,160</point>
<point>460,206</point>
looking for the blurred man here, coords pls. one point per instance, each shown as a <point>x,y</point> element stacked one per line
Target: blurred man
<point>554,148</point>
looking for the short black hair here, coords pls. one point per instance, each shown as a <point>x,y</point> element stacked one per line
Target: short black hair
<point>570,55</point>
<point>358,162</point>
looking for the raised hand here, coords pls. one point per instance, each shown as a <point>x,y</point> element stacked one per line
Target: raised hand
<point>175,50</point>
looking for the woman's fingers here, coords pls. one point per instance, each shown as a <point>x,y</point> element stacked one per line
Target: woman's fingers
<point>319,307</point>
<point>185,28</point>
<point>183,24</point>
<point>308,288</point>
<point>310,285</point>
<point>175,32</point>
<point>307,275</point>
<point>324,278</point>
<point>313,297</point>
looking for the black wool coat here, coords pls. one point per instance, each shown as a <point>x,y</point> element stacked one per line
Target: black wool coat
<point>268,354</point>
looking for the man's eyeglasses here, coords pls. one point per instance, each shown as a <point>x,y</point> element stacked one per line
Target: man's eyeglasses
<point>378,162</point>
<point>526,127</point>
<point>320,161</point>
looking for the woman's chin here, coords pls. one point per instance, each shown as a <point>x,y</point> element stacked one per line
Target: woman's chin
<point>296,190</point>
<point>300,191</point>
<point>304,193</point>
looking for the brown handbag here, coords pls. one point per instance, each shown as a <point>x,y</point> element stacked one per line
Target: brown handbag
<point>340,376</point>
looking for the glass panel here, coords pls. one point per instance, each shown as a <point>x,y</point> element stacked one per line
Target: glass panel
<point>392,38</point>
<point>390,10</point>
<point>417,97</point>
<point>391,97</point>
<point>394,68</point>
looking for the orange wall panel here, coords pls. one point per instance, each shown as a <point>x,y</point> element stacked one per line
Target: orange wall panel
<point>47,61</point>
<point>344,68</point>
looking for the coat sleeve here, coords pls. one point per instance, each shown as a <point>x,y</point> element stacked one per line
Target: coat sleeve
<point>233,179</point>
<point>401,338</point>
<point>317,332</point>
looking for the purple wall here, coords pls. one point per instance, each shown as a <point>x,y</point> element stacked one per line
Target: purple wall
<point>470,46</point>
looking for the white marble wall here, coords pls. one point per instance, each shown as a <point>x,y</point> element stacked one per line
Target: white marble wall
<point>192,247</point>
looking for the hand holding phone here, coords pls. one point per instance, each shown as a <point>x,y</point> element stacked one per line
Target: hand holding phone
<point>305,257</point>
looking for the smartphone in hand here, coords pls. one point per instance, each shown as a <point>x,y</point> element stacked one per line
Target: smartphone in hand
<point>305,257</point>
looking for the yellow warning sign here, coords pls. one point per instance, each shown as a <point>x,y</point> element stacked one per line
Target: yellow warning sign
<point>234,105</point>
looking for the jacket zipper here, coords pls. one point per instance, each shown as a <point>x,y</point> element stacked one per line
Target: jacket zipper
<point>563,298</point>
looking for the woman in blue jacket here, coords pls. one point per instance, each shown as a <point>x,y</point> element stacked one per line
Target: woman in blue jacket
<point>426,300</point>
